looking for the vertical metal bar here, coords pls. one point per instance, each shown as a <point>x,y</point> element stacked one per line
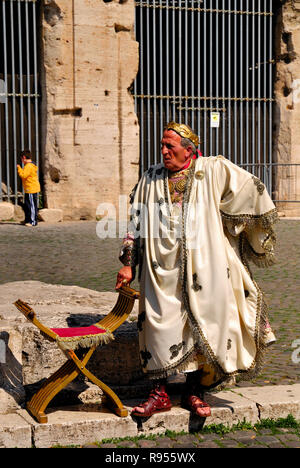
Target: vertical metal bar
<point>235,82</point>
<point>35,67</point>
<point>205,78</point>
<point>13,78</point>
<point>241,78</point>
<point>180,58</point>
<point>253,149</point>
<point>199,74</point>
<point>192,64</point>
<point>6,100</point>
<point>154,77</point>
<point>229,82</point>
<point>174,64</point>
<point>161,73</point>
<point>217,79</point>
<point>28,77</point>
<point>223,78</point>
<point>265,143</point>
<point>168,65</point>
<point>135,81</point>
<point>271,96</point>
<point>186,66</point>
<point>247,85</point>
<point>148,88</point>
<point>21,77</point>
<point>141,92</point>
<point>211,77</point>
<point>259,61</point>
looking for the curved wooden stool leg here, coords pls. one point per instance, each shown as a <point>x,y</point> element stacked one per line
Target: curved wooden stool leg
<point>54,384</point>
<point>116,404</point>
<point>114,401</point>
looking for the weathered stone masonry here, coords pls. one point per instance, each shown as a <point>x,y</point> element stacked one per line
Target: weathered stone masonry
<point>90,132</point>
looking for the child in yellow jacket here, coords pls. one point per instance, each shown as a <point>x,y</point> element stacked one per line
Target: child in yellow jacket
<point>29,176</point>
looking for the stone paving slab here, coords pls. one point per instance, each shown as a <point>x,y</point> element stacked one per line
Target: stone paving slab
<point>72,427</point>
<point>14,431</point>
<point>86,424</point>
<point>274,402</point>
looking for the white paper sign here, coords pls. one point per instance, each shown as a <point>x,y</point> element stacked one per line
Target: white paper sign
<point>215,119</point>
<point>2,92</point>
<point>2,352</point>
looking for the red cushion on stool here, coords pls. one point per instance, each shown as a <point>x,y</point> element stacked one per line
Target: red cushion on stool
<point>78,331</point>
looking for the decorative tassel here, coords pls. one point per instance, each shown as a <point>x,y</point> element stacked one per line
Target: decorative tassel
<point>72,343</point>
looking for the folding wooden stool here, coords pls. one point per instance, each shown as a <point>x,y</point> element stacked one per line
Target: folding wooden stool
<point>70,339</point>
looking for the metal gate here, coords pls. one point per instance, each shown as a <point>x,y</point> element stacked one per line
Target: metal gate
<point>208,64</point>
<point>19,95</point>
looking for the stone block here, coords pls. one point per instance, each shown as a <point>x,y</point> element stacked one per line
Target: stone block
<point>50,215</point>
<point>19,214</point>
<point>230,407</point>
<point>274,402</point>
<point>12,393</point>
<point>15,432</point>
<point>6,211</point>
<point>78,427</point>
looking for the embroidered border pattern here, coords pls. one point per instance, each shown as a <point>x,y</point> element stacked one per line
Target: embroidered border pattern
<point>265,220</point>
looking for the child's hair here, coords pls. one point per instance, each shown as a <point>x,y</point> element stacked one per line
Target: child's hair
<point>26,153</point>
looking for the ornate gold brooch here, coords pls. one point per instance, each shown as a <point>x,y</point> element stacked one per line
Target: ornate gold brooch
<point>199,175</point>
<point>259,185</point>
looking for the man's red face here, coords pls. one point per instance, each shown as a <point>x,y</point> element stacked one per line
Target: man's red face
<point>174,154</point>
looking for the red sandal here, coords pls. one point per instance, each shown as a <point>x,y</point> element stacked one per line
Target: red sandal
<point>158,402</point>
<point>193,403</point>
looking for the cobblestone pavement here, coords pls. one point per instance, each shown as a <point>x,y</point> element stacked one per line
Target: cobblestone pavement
<point>264,438</point>
<point>72,254</point>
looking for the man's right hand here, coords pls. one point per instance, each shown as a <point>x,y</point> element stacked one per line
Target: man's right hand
<point>124,277</point>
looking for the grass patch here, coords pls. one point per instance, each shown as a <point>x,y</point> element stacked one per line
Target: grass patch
<point>288,422</point>
<point>117,440</point>
<point>221,429</point>
<point>168,433</point>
